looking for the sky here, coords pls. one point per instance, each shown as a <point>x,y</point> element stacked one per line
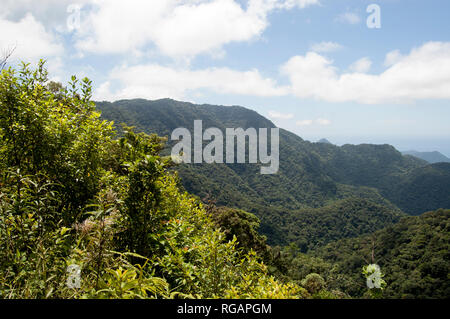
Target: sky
<point>351,71</point>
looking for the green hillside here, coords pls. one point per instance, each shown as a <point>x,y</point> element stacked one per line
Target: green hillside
<point>413,254</point>
<point>408,182</point>
<point>430,157</point>
<point>351,217</point>
<point>310,175</point>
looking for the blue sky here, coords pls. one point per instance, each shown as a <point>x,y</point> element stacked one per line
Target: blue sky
<point>313,67</point>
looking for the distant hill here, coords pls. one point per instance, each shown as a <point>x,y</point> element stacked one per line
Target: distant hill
<point>324,140</point>
<point>311,176</point>
<point>430,157</point>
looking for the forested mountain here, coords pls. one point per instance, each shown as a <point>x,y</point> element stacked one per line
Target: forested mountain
<point>314,227</point>
<point>414,255</point>
<point>324,140</point>
<point>310,175</point>
<point>430,157</point>
<point>408,182</point>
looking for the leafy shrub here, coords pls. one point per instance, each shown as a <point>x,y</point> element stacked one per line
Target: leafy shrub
<point>71,194</point>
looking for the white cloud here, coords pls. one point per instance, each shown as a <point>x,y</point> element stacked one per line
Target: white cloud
<point>349,17</point>
<point>177,28</point>
<point>319,121</point>
<point>423,74</point>
<point>325,47</point>
<point>304,122</point>
<point>154,81</point>
<point>361,66</point>
<point>392,58</point>
<point>104,93</point>
<point>288,4</point>
<point>323,122</point>
<point>195,29</point>
<point>30,39</point>
<point>281,116</point>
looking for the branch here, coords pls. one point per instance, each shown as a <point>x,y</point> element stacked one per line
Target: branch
<point>6,55</point>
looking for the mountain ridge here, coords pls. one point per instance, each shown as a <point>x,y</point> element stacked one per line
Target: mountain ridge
<point>430,157</point>
<point>311,175</point>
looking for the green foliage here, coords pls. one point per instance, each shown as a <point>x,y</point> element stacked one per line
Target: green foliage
<point>242,225</point>
<point>129,283</point>
<point>314,283</point>
<point>73,195</point>
<point>424,189</point>
<point>351,217</point>
<point>413,254</point>
<point>61,138</point>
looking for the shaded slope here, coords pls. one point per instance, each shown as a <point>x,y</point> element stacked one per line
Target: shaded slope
<point>413,254</point>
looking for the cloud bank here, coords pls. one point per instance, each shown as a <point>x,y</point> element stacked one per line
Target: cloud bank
<point>183,29</point>
<point>179,29</point>
<point>29,38</point>
<point>423,74</point>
